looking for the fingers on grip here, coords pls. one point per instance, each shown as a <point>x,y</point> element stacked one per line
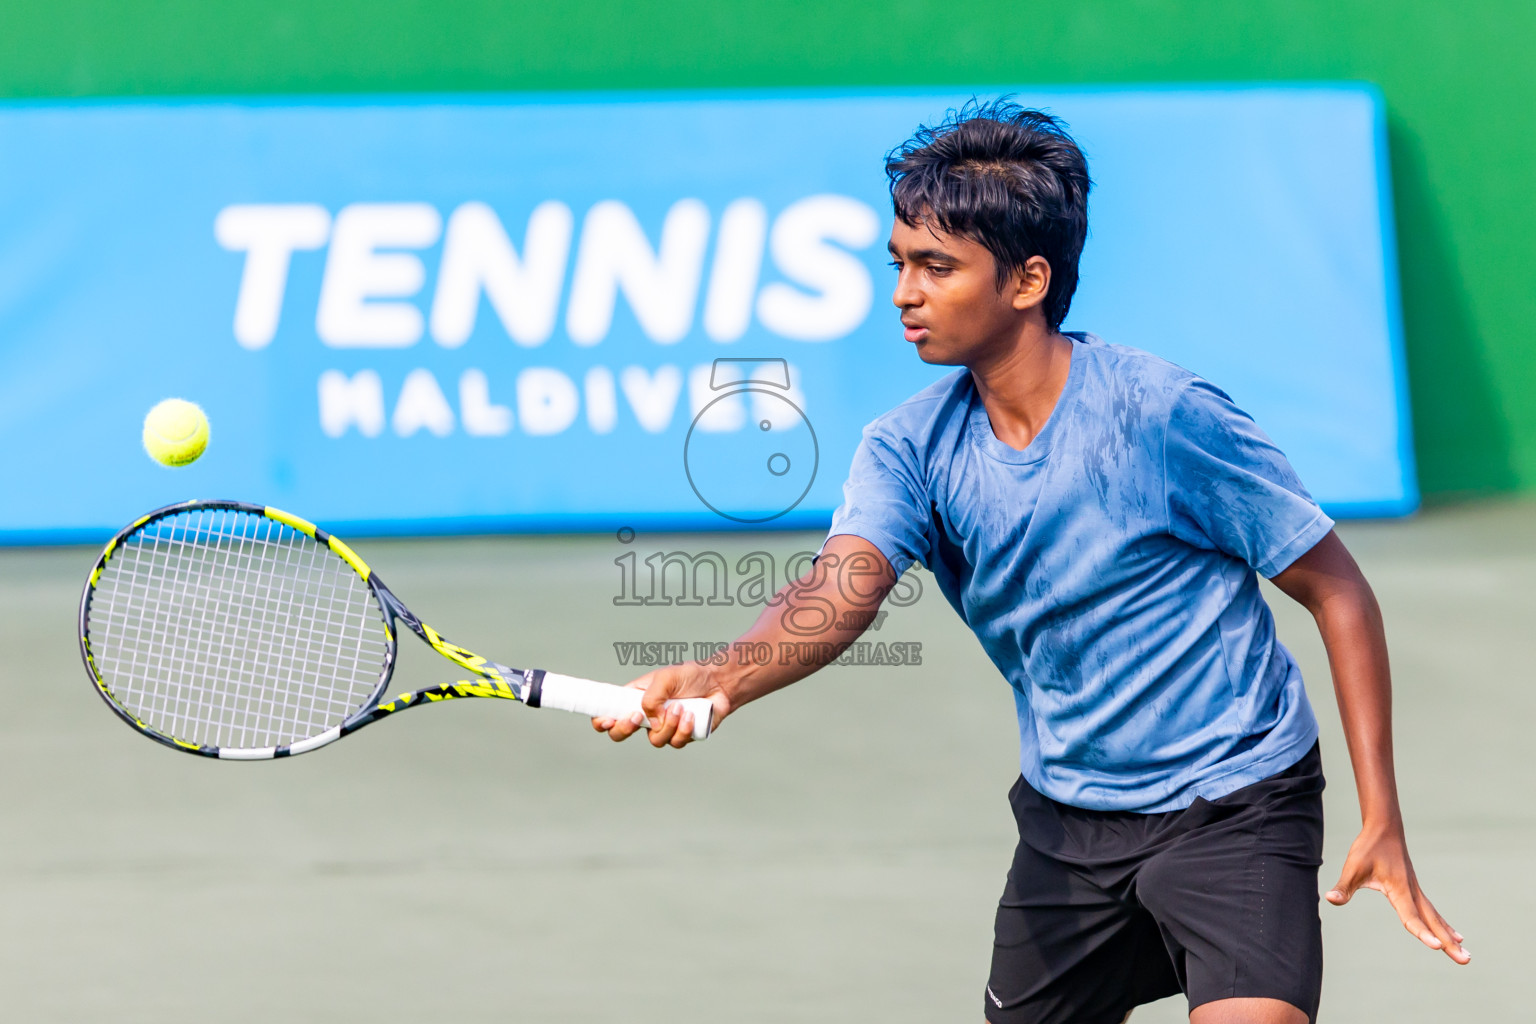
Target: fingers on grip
<point>604,700</point>
<point>703,712</point>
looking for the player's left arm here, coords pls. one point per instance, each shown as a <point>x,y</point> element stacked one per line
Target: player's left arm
<point>1328,583</point>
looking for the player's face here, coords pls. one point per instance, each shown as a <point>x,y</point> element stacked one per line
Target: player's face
<point>946,289</point>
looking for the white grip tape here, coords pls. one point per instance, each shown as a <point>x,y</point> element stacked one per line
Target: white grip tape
<point>604,700</point>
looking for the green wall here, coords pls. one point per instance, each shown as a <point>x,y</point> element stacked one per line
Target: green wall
<point>1460,88</point>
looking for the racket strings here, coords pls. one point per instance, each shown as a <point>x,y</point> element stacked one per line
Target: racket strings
<point>225,628</point>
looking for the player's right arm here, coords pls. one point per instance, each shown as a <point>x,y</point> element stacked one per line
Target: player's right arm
<point>806,626</point>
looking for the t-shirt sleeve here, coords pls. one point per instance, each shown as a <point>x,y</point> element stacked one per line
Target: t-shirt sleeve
<point>1229,487</point>
<point>885,502</point>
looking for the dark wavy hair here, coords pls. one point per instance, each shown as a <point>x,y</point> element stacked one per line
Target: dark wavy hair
<point>1006,177</point>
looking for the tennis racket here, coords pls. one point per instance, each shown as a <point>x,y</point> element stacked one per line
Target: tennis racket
<point>241,632</point>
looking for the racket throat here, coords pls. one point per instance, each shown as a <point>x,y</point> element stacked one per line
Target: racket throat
<point>531,691</point>
<point>527,685</point>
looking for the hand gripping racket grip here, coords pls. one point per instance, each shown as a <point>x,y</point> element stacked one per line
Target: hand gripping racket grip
<point>604,700</point>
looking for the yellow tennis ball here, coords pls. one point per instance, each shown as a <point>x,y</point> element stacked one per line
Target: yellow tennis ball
<point>175,432</point>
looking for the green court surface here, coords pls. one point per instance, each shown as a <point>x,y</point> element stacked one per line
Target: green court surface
<point>833,854</point>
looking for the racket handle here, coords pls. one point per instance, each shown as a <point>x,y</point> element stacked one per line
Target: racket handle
<point>604,700</point>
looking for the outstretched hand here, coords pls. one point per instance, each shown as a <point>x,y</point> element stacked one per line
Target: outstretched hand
<point>669,726</point>
<point>1378,859</point>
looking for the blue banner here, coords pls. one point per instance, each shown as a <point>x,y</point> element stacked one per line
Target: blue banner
<point>550,313</point>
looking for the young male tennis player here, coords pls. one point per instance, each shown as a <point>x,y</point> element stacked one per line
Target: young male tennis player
<point>1099,517</point>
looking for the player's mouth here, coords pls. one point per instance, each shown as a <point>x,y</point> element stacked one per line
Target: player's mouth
<point>914,332</point>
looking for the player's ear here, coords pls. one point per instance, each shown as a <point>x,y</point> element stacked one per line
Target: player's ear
<point>1030,283</point>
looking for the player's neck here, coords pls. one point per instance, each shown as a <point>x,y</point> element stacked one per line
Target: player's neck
<point>1020,385</point>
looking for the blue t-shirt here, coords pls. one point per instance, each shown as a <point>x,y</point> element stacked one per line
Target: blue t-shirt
<point>1108,570</point>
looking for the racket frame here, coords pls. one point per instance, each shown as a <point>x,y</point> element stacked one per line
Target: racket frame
<point>492,679</point>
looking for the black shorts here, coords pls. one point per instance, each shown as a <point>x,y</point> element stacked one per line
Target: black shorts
<point>1105,910</point>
